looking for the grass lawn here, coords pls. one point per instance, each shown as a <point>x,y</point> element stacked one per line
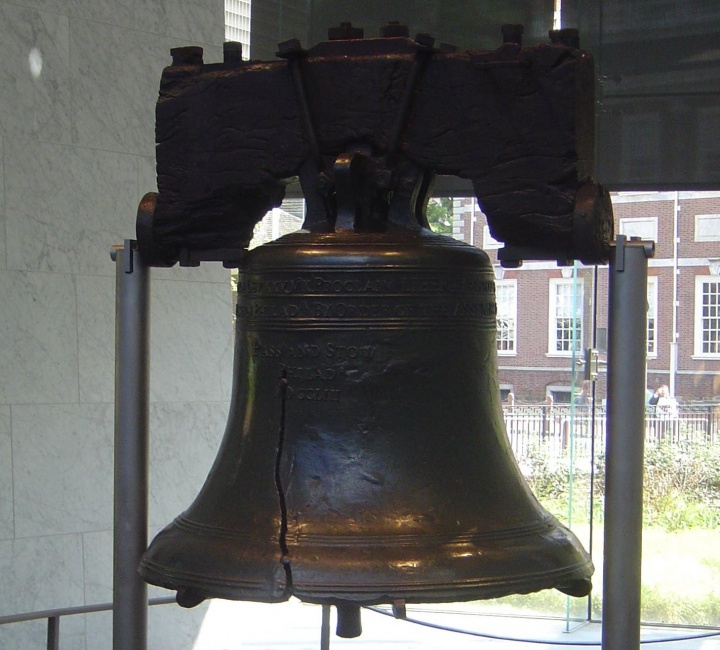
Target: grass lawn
<point>681,536</point>
<point>681,576</point>
<point>680,581</point>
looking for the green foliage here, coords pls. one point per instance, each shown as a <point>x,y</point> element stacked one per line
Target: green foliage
<point>548,479</point>
<point>662,606</point>
<point>681,556</point>
<point>681,485</point>
<point>677,588</point>
<point>440,215</point>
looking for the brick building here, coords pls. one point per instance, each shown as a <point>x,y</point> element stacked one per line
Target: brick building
<point>548,316</point>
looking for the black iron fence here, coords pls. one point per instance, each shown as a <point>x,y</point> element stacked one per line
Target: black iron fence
<point>558,428</point>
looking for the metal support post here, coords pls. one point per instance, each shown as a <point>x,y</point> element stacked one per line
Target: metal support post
<point>325,628</point>
<point>627,347</point>
<point>132,307</point>
<point>53,633</point>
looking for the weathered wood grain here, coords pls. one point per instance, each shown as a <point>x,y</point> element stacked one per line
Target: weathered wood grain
<point>516,121</point>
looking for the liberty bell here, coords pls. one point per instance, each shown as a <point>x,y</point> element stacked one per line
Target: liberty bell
<point>365,458</point>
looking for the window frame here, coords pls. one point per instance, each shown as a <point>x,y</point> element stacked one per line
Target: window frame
<point>699,218</point>
<point>699,318</point>
<point>553,390</point>
<point>578,286</point>
<point>652,313</point>
<point>238,14</point>
<point>512,315</point>
<point>643,227</point>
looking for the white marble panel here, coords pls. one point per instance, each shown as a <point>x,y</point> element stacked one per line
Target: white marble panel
<point>34,76</point>
<point>191,342</point>
<point>99,631</point>
<point>3,256</point>
<point>62,460</point>
<point>98,554</point>
<point>186,20</point>
<point>38,338</point>
<point>21,636</point>
<point>115,77</point>
<point>7,526</point>
<point>119,13</point>
<point>32,635</point>
<point>169,626</point>
<point>184,441</point>
<point>66,206</point>
<point>147,175</point>
<point>96,337</point>
<point>72,633</point>
<point>41,573</point>
<point>98,562</point>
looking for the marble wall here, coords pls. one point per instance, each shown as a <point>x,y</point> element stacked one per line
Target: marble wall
<point>78,84</point>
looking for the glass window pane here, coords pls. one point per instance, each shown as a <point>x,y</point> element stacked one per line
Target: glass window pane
<point>659,91</point>
<point>506,298</point>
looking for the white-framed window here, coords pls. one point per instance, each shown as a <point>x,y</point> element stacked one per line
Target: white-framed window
<point>560,394</point>
<point>237,23</point>
<point>652,328</point>
<point>707,316</point>
<point>643,227</point>
<point>707,227</point>
<point>505,390</point>
<point>565,328</point>
<point>506,298</point>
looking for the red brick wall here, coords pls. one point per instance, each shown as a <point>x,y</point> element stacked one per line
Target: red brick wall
<point>531,370</point>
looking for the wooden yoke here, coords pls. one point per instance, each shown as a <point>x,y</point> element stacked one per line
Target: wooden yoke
<point>517,121</point>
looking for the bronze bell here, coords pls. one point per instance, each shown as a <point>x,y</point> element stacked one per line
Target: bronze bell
<point>365,459</point>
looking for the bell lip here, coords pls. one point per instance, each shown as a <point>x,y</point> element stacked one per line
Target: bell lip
<point>263,591</point>
<point>574,581</point>
<point>261,578</point>
<point>575,578</point>
<point>184,555</point>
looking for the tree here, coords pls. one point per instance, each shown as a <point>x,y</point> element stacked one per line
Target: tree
<point>440,215</point>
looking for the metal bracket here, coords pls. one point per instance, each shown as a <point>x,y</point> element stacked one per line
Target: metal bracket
<point>620,245</point>
<point>130,248</point>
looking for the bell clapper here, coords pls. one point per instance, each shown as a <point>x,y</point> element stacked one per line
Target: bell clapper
<point>189,597</point>
<point>349,625</point>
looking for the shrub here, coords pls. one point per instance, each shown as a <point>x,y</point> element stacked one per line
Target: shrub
<point>681,484</point>
<point>549,479</point>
